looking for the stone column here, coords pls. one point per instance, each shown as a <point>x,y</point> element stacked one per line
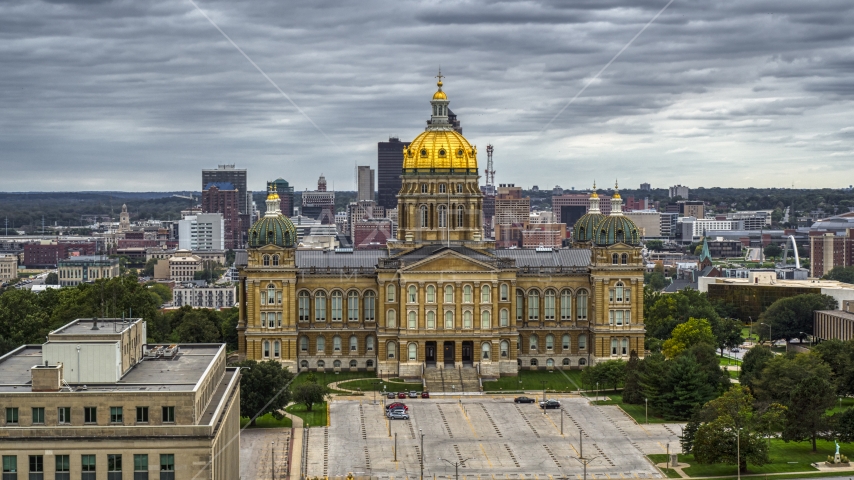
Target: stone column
<point>458,310</point>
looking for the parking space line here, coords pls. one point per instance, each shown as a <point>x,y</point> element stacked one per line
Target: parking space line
<point>485,455</point>
<point>473,432</point>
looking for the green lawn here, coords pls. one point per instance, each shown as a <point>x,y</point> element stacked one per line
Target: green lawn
<point>325,378</point>
<point>267,421</point>
<point>556,381</point>
<point>377,384</point>
<point>726,361</point>
<point>845,405</point>
<point>638,412</point>
<point>315,418</point>
<point>733,374</point>
<point>785,457</point>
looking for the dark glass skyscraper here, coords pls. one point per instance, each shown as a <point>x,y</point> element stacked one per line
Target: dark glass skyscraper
<point>389,169</point>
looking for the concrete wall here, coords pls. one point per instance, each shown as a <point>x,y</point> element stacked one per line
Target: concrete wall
<point>96,362</point>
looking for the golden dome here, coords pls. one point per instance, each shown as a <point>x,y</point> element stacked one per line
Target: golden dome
<point>440,95</point>
<point>437,150</point>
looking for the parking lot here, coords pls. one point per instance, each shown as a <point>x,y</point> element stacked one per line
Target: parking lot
<point>490,436</point>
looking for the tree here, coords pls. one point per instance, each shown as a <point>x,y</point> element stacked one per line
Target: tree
<point>727,333</point>
<point>608,373</point>
<point>841,274</point>
<point>51,279</point>
<point>807,417</point>
<point>663,312</point>
<point>198,326</point>
<point>310,393</point>
<point>228,325</point>
<point>264,389</point>
<point>632,390</point>
<point>732,430</point>
<point>689,389</point>
<point>655,280</point>
<point>791,316</point>
<point>164,295</point>
<point>752,364</point>
<point>773,251</point>
<point>148,269</point>
<point>688,334</point>
<point>655,245</point>
<point>842,425</point>
<point>839,356</point>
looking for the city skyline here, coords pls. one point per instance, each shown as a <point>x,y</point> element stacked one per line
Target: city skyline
<point>131,97</point>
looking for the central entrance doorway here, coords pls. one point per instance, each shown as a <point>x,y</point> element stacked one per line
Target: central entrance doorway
<point>449,349</point>
<point>468,348</point>
<point>430,353</point>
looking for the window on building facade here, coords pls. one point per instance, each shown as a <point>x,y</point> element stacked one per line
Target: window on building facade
<point>321,344</point>
<point>503,318</point>
<point>533,305</point>
<point>443,216</point>
<point>615,259</point>
<point>505,348</point>
<point>304,306</point>
<point>485,294</point>
<point>424,217</point>
<point>581,305</point>
<point>320,307</point>
<point>532,342</point>
<point>412,321</point>
<point>266,349</point>
<point>449,294</point>
<point>275,260</point>
<point>582,342</point>
<point>390,348</point>
<point>353,306</point>
<point>412,294</point>
<point>467,319</point>
<point>624,346</point>
<point>369,344</point>
<point>354,344</point>
<point>442,188</point>
<point>486,350</point>
<point>337,306</point>
<point>485,320</point>
<point>565,343</point>
<point>431,319</point>
<point>550,342</point>
<point>276,349</point>
<point>389,291</point>
<point>265,260</point>
<point>431,294</point>
<point>140,466</point>
<point>504,292</point>
<point>624,259</point>
<point>390,319</point>
<point>520,304</point>
<point>303,344</point>
<point>467,294</point>
<point>336,343</point>
<point>613,346</point>
<point>413,352</point>
<point>370,306</point>
<point>449,320</point>
<point>549,305</point>
<point>566,305</point>
<point>461,213</point>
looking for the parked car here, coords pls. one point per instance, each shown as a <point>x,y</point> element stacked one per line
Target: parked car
<point>391,395</point>
<point>413,394</point>
<point>523,400</point>
<point>398,415</point>
<point>425,394</point>
<point>550,404</point>
<point>401,395</point>
<point>396,406</point>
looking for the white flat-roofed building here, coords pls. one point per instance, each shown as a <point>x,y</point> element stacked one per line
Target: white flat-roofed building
<point>202,231</point>
<point>216,297</point>
<point>8,268</point>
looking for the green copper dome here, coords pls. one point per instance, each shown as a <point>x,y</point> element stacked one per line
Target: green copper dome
<point>616,229</point>
<point>585,227</point>
<point>273,230</point>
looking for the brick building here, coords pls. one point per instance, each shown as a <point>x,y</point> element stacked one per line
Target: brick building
<point>47,255</point>
<point>223,198</point>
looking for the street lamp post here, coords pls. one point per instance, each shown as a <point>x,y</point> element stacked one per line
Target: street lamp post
<point>809,337</point>
<point>646,409</point>
<point>585,462</point>
<point>456,465</point>
<point>422,453</point>
<point>561,421</point>
<point>738,452</point>
<point>272,460</point>
<point>544,396</point>
<point>597,392</point>
<point>769,332</point>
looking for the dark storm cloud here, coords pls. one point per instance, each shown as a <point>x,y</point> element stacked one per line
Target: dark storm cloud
<point>131,95</point>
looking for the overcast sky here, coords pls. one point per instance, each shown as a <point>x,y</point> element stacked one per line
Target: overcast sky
<point>141,95</point>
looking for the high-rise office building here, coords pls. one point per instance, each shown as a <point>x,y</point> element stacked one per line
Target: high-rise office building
<point>679,191</point>
<point>222,198</point>
<point>389,170</point>
<point>366,184</point>
<point>204,231</point>
<point>319,204</point>
<point>237,178</point>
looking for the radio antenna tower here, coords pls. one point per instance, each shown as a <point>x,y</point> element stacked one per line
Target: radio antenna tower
<point>490,172</point>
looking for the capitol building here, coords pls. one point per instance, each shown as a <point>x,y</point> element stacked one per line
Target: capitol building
<point>442,296</point>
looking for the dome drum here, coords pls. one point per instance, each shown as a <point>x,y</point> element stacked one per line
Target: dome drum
<point>273,230</point>
<point>616,229</point>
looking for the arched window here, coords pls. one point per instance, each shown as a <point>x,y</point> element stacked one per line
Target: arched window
<point>266,349</point>
<point>424,218</point>
<point>390,349</point>
<point>321,344</point>
<point>550,342</point>
<point>276,349</point>
<point>466,319</point>
<point>413,294</point>
<point>615,259</point>
<point>582,342</point>
<point>431,319</point>
<point>321,364</point>
<point>520,305</point>
<point>505,348</point>
<point>486,349</point>
<point>467,294</point>
<point>353,306</point>
<point>442,188</point>
<point>582,362</point>
<point>389,293</point>
<point>566,362</point>
<point>413,352</point>
<point>266,260</point>
<point>624,259</point>
<point>449,320</point>
<point>550,363</point>
<point>534,362</point>
<point>485,294</point>
<point>565,305</point>
<point>459,188</point>
<point>449,294</point>
<point>533,305</point>
<point>461,211</point>
<point>275,260</point>
<point>581,305</point>
<point>504,292</point>
<point>271,294</point>
<point>303,364</point>
<point>370,306</point>
<point>443,216</point>
<point>354,344</point>
<point>549,305</point>
<point>431,294</point>
<point>613,346</point>
<point>369,344</point>
<point>336,343</point>
<point>303,306</point>
<point>369,364</point>
<point>320,307</point>
<point>412,320</point>
<point>337,306</point>
<point>303,344</point>
<point>353,364</point>
<point>565,342</point>
<point>485,320</point>
<point>423,186</point>
<point>390,319</point>
<point>532,342</point>
<point>503,318</point>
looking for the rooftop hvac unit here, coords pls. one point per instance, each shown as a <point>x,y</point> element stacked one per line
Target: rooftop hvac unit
<point>170,351</point>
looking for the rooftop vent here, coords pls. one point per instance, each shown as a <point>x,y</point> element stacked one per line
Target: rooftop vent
<point>95,324</point>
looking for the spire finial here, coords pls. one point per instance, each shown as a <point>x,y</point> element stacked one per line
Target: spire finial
<point>440,77</point>
<point>594,184</point>
<point>616,185</point>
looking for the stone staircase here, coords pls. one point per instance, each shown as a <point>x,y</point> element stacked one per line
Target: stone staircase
<point>450,380</point>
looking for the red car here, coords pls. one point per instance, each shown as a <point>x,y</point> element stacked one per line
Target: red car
<point>425,394</point>
<point>401,395</point>
<point>396,405</point>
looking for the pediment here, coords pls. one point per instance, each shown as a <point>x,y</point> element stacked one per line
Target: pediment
<point>449,261</point>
